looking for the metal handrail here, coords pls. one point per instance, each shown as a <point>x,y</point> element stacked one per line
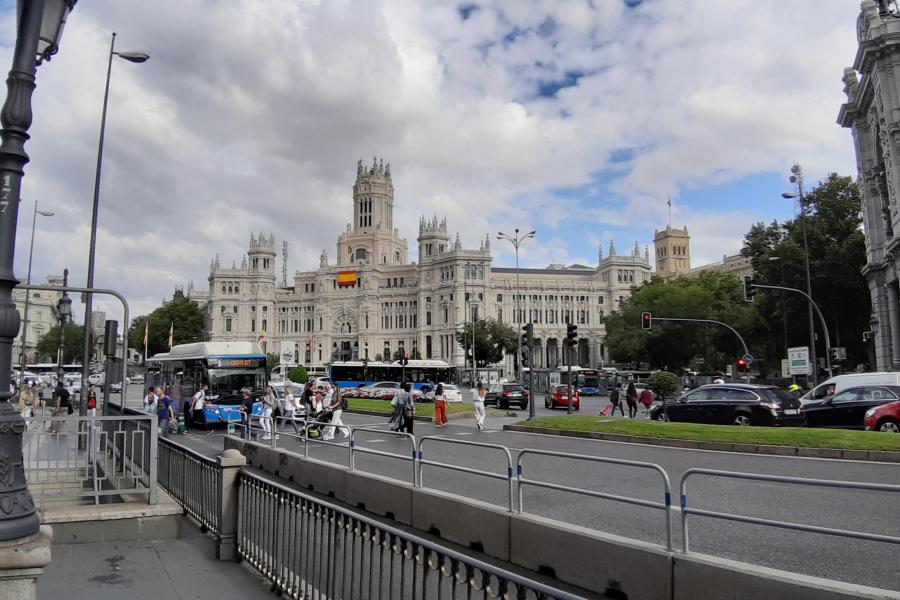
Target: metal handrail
<point>542,590</point>
<point>665,506</point>
<point>853,485</point>
<point>509,463</point>
<point>354,448</point>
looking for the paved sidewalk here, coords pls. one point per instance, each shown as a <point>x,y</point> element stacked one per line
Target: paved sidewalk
<point>178,569</point>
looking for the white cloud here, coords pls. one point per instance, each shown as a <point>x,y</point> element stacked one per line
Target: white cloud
<point>251,115</point>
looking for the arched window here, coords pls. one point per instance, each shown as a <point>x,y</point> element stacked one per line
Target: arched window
<point>236,290</point>
<point>223,288</point>
<point>361,254</point>
<point>397,257</point>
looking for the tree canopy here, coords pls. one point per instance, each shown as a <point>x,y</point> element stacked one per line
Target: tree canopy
<point>73,348</point>
<point>493,340</point>
<point>181,314</point>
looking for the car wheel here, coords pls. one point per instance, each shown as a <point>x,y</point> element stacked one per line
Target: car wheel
<point>889,426</point>
<point>662,416</point>
<point>742,420</point>
<point>546,404</point>
<point>502,405</point>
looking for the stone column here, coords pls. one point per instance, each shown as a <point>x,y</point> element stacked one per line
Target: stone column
<point>22,561</point>
<point>230,463</point>
<point>894,317</point>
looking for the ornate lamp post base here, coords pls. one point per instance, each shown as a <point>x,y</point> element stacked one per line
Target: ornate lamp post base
<point>22,561</point>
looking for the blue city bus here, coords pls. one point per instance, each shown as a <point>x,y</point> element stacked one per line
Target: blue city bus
<point>421,374</point>
<point>588,381</point>
<point>227,367</point>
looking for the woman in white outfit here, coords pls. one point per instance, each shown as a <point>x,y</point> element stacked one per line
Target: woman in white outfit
<point>478,403</point>
<point>288,405</point>
<point>335,400</point>
<point>269,401</point>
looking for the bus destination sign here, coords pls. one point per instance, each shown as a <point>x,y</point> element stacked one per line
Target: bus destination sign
<point>225,363</point>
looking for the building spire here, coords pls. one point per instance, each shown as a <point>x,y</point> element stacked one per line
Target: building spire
<point>612,248</point>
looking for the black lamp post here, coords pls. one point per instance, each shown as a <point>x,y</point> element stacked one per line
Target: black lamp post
<point>39,27</point>
<point>63,314</point>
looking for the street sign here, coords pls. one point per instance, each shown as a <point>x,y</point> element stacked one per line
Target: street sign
<point>729,371</point>
<point>287,354</point>
<point>748,358</point>
<point>785,368</point>
<point>798,360</point>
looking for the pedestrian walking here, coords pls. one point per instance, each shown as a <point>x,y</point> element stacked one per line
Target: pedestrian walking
<point>165,411</point>
<point>198,408</point>
<point>407,408</point>
<point>631,397</point>
<point>337,403</point>
<point>478,404</point>
<point>440,406</point>
<point>246,410</point>
<point>26,400</point>
<point>615,402</point>
<point>288,406</point>
<point>150,400</point>
<point>646,400</point>
<point>269,400</point>
<point>92,401</point>
<point>63,408</point>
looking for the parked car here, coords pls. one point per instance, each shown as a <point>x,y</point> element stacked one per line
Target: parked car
<point>384,390</point>
<point>733,404</point>
<point>847,409</point>
<point>504,395</point>
<point>137,378</point>
<point>885,417</point>
<point>558,396</point>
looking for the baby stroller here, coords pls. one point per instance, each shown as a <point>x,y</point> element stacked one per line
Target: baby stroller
<point>320,418</point>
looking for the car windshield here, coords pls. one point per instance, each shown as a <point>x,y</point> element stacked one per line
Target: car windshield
<point>777,395</point>
<point>512,388</point>
<point>230,382</point>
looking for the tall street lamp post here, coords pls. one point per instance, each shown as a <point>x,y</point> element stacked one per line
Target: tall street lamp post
<point>43,213</point>
<point>39,27</point>
<point>516,240</point>
<point>797,177</point>
<point>63,313</point>
<point>135,57</point>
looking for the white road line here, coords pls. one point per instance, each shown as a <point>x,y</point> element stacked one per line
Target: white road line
<point>375,441</point>
<point>464,433</point>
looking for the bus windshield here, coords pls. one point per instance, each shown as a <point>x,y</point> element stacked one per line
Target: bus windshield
<point>232,381</point>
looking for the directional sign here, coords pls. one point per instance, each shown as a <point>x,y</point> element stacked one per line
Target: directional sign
<point>799,360</point>
<point>287,354</point>
<point>748,358</point>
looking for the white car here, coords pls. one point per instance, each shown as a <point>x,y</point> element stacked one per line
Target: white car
<point>96,378</point>
<point>451,393</point>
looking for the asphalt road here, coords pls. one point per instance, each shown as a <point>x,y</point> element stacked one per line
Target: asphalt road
<point>844,559</point>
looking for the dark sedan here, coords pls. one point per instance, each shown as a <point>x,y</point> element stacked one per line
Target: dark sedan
<point>848,408</point>
<point>733,404</point>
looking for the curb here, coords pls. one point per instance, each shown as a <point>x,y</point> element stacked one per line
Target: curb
<point>832,453</point>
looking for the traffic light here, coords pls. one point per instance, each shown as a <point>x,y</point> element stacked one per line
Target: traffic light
<point>404,360</point>
<point>749,290</point>
<point>528,335</point>
<point>525,358</point>
<point>646,321</point>
<point>571,334</point>
<point>742,364</point>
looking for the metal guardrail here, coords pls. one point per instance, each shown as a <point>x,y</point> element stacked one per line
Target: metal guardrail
<point>310,548</point>
<point>89,457</point>
<point>193,480</point>
<point>665,505</point>
<point>354,449</point>
<point>853,485</point>
<point>421,461</point>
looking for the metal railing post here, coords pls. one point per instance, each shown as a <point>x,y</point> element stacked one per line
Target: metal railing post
<point>152,466</point>
<point>229,464</point>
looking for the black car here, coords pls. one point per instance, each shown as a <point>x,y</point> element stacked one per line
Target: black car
<point>733,404</point>
<point>847,409</point>
<point>504,395</point>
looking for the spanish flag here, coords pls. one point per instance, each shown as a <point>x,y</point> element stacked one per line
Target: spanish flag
<point>171,332</point>
<point>346,278</point>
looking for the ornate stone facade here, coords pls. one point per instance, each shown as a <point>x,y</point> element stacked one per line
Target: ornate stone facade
<point>872,113</point>
<point>372,301</point>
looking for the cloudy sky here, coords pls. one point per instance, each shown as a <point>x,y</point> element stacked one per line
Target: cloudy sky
<point>576,118</point>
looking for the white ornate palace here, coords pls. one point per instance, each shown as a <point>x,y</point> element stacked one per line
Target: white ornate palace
<point>372,301</point>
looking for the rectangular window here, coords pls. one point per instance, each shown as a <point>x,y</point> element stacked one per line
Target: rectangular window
<point>499,297</point>
<point>227,324</point>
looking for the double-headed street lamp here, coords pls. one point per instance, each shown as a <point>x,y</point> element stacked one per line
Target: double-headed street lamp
<point>43,213</point>
<point>135,57</point>
<point>797,177</point>
<point>516,240</point>
<point>38,30</point>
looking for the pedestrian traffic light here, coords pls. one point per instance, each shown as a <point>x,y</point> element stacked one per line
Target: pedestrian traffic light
<point>571,334</point>
<point>646,321</point>
<point>404,360</point>
<point>749,289</point>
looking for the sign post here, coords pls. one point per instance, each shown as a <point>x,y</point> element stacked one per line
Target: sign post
<point>286,358</point>
<point>798,361</point>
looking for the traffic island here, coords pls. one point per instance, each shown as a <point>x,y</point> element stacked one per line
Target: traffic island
<point>424,410</point>
<point>781,441</point>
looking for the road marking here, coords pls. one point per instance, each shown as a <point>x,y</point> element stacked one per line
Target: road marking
<point>464,433</point>
<point>375,441</point>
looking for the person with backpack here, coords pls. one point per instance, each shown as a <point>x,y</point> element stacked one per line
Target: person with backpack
<point>63,408</point>
<point>337,405</point>
<point>404,410</point>
<point>615,402</point>
<point>440,406</point>
<point>631,398</point>
<point>646,400</point>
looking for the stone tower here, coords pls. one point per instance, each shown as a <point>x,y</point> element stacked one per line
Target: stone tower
<point>433,239</point>
<point>673,252</point>
<point>262,254</point>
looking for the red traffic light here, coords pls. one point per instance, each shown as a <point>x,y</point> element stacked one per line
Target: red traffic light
<point>646,320</point>
<point>741,362</point>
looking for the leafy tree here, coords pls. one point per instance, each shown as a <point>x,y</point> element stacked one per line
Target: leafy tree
<point>378,358</point>
<point>493,340</point>
<point>73,348</point>
<point>836,256</point>
<point>671,345</point>
<point>415,354</point>
<point>663,383</point>
<point>298,375</point>
<point>180,314</point>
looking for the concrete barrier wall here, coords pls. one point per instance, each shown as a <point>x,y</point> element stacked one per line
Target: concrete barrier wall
<point>608,565</point>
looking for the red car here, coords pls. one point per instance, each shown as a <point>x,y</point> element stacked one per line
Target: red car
<point>558,397</point>
<point>883,418</point>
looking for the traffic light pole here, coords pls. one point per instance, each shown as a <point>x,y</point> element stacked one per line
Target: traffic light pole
<point>530,381</point>
<point>727,326</point>
<point>569,369</point>
<point>821,320</point>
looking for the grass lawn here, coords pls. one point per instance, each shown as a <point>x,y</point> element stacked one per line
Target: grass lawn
<point>423,409</point>
<point>774,436</point>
